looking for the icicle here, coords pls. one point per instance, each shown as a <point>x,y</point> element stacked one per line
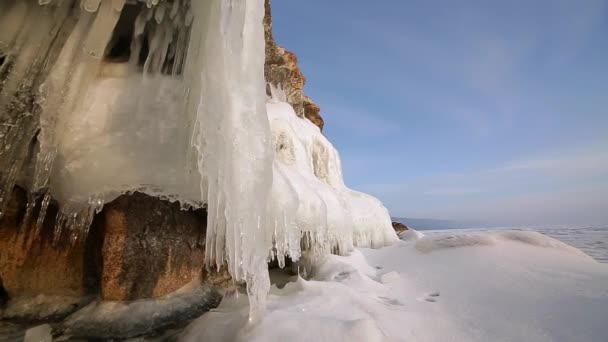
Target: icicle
<point>189,18</point>
<point>90,5</point>
<point>23,66</point>
<point>44,205</point>
<point>174,9</point>
<point>159,13</point>
<point>102,28</point>
<point>149,13</point>
<point>29,210</point>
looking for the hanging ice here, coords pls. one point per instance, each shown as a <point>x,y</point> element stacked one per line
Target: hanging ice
<point>168,98</point>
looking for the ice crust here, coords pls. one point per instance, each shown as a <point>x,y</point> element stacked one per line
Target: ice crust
<point>192,124</point>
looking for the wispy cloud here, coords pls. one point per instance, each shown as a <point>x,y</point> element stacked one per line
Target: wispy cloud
<point>524,190</point>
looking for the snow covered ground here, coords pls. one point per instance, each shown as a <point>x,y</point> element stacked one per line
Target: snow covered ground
<point>591,240</point>
<point>454,286</point>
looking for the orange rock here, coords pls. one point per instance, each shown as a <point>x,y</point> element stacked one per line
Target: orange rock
<point>281,69</point>
<point>150,248</point>
<point>31,264</point>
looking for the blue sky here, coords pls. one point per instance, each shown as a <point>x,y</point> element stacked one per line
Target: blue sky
<point>482,110</point>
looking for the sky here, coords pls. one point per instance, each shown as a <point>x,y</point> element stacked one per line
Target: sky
<point>494,111</point>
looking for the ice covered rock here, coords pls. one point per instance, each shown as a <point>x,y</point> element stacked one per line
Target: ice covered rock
<point>410,235</point>
<point>41,307</point>
<point>399,227</point>
<point>171,101</point>
<point>115,319</point>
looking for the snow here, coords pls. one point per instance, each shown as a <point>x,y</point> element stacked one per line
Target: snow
<point>410,235</point>
<point>41,333</point>
<point>519,287</point>
<point>310,193</point>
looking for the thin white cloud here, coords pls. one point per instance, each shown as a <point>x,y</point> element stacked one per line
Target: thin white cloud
<point>568,188</point>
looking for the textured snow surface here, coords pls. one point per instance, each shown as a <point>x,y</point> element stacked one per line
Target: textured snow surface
<point>519,287</point>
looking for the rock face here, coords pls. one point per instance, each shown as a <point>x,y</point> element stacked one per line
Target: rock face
<point>150,247</point>
<point>31,263</point>
<point>281,69</point>
<point>138,246</point>
<point>399,227</point>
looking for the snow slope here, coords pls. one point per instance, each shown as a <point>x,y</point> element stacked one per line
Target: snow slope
<point>501,286</point>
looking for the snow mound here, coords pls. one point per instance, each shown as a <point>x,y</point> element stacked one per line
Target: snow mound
<point>537,239</point>
<point>436,242</point>
<point>467,239</point>
<point>330,307</point>
<point>505,290</point>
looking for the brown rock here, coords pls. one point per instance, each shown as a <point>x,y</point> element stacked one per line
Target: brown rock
<point>311,112</point>
<point>31,264</point>
<point>399,227</point>
<point>281,69</point>
<point>151,247</point>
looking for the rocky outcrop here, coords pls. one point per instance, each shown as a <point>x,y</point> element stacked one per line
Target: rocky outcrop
<point>150,248</point>
<point>281,69</point>
<point>32,263</point>
<point>399,227</point>
<point>138,246</point>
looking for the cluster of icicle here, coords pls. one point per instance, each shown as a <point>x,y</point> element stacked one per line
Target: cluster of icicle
<point>192,123</point>
<point>85,111</point>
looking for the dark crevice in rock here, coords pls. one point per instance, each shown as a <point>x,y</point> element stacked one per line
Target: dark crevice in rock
<point>3,295</point>
<point>119,48</point>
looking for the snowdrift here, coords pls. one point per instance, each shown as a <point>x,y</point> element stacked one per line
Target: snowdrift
<point>521,287</point>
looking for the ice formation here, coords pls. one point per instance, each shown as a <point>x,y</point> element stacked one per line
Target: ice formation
<point>182,115</point>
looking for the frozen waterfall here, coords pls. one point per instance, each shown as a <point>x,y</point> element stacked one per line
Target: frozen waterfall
<point>168,98</point>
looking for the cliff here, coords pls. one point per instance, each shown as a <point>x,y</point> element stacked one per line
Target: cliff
<point>138,246</point>
<point>143,155</point>
<point>281,68</point>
